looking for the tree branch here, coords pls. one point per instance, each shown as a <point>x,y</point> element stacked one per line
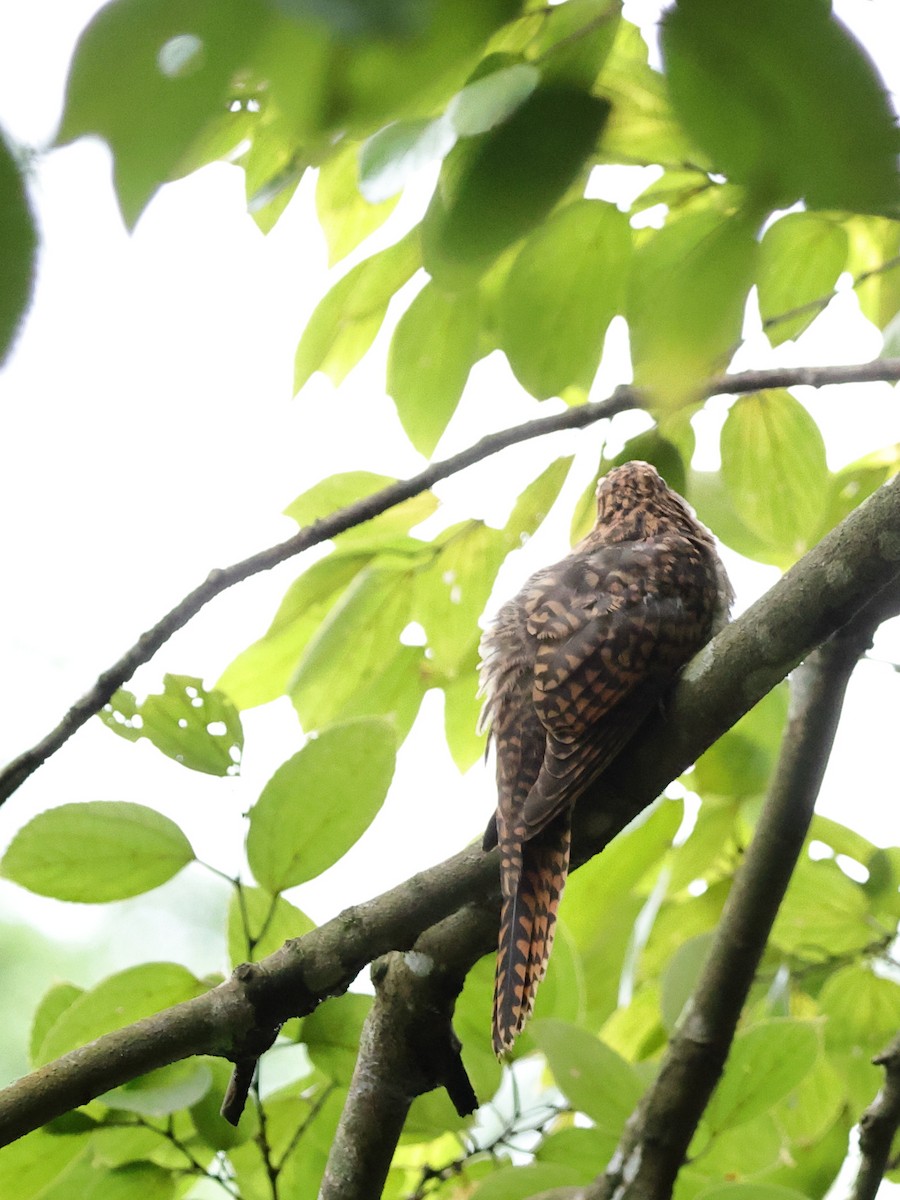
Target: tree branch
<point>20,768</point>
<point>655,1142</point>
<point>878,1125</point>
<point>819,595</point>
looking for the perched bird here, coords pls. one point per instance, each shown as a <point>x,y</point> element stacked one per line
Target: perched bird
<point>570,668</point>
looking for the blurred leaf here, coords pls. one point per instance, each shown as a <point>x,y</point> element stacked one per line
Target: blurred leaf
<point>681,977</point>
<point>208,1121</point>
<point>800,258</point>
<point>740,763</point>
<point>432,351</point>
<point>450,595</point>
<point>711,851</point>
<point>462,708</point>
<point>260,923</point>
<point>519,1183</point>
<point>117,1001</point>
<point>358,18</point>
<point>319,803</point>
<point>584,1150</point>
<point>382,676</point>
<point>823,915</point>
<point>863,1010</point>
<point>642,127</point>
<point>689,285</point>
<point>750,1191</point>
<point>576,39</point>
<point>715,508</point>
<point>96,851</point>
<point>393,156</point>
<point>147,76</point>
<point>765,1063</point>
<point>30,1165</point>
<point>530,161</point>
<point>735,76</point>
<point>90,1181</point>
<point>594,1078</point>
<point>263,671</point>
<point>735,1154</point>
<point>814,1105</point>
<point>471,1019</point>
<point>854,483</point>
<point>773,465</point>
<point>346,216</point>
<point>50,1008</point>
<point>18,248</point>
<point>841,839</point>
<point>198,728</point>
<point>535,502</point>
<point>340,490</point>
<point>874,262</point>
<point>565,286</point>
<point>344,323</point>
<point>162,1092</point>
<point>491,99</point>
<point>332,1033</point>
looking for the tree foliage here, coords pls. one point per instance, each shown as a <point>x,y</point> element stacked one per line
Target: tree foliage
<point>521,111</point>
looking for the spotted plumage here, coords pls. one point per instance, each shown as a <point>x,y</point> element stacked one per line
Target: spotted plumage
<point>570,668</point>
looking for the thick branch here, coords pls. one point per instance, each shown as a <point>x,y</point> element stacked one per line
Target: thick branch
<point>19,769</point>
<point>656,1139</point>
<point>878,1125</point>
<point>815,598</point>
<point>408,1047</point>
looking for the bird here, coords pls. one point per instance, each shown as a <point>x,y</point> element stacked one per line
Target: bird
<point>570,667</point>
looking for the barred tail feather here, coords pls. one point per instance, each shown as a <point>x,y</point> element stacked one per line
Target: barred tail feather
<point>534,875</point>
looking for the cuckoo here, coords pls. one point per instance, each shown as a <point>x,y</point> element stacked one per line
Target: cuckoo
<point>570,668</point>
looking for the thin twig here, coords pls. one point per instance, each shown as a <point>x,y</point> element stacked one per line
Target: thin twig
<point>878,1125</point>
<point>624,398</point>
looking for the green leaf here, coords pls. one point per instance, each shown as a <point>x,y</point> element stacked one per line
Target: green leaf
<point>319,803</point>
<point>765,1063</point>
<point>681,977</point>
<point>750,1191</point>
<point>491,99</point>
<point>260,923</point>
<point>824,914</point>
<point>496,187</point>
<point>450,595</point>
<point>735,1154</point>
<point>18,248</point>
<point>863,1010</point>
<point>689,285</point>
<point>855,482</point>
<point>461,711</point>
<point>198,728</point>
<point>565,286</point>
<point>117,1001</point>
<point>383,676</point>
<point>740,763</point>
<point>338,491</point>
<point>96,851</point>
<point>85,1179</point>
<point>874,262</point>
<point>162,1092</point>
<point>332,1033</point>
<point>30,1165</point>
<point>535,502</point>
<point>390,158</point>
<point>576,39</point>
<point>734,77</point>
<point>520,1183</point>
<point>434,346</point>
<point>212,1127</point>
<point>814,1105</point>
<point>773,465</point>
<point>344,323</point>
<point>800,258</point>
<point>594,1078</point>
<point>346,216</point>
<point>50,1008</point>
<point>263,671</point>
<point>147,77</point>
<point>584,1150</point>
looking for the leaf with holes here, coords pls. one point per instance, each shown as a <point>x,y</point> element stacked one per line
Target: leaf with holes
<point>199,728</point>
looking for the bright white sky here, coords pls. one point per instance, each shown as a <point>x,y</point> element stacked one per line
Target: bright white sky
<point>151,435</point>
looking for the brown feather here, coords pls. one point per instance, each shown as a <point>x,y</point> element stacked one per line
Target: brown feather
<point>571,666</point>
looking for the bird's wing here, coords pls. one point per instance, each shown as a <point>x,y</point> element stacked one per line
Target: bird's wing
<point>609,635</point>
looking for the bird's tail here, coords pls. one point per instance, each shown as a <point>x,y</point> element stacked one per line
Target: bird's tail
<point>533,875</point>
